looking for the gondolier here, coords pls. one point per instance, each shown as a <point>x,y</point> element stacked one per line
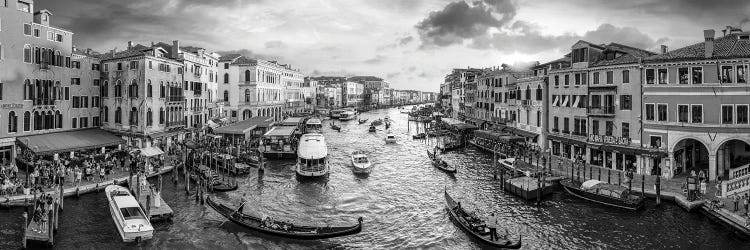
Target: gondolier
<point>492,225</point>
<point>242,203</point>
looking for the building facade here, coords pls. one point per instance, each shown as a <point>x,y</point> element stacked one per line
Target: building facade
<point>252,87</point>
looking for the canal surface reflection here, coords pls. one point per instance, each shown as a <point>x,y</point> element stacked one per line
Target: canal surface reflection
<point>401,202</point>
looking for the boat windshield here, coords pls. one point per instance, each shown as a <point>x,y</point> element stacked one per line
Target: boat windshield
<point>132,213</point>
<point>361,160</point>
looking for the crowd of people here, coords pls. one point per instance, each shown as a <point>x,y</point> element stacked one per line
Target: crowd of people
<point>9,181</point>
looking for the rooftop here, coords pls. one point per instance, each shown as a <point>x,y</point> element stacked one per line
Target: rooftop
<point>734,45</point>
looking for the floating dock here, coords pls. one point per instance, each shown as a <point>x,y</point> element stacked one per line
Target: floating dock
<point>151,201</point>
<point>42,231</point>
<point>528,187</point>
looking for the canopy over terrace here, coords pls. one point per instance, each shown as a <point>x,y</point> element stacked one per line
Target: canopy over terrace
<point>245,128</point>
<point>69,141</point>
<point>458,125</point>
<point>495,136</point>
<point>151,151</point>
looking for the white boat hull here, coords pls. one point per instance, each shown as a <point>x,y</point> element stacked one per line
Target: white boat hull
<point>304,173</point>
<point>133,234</point>
<point>362,168</point>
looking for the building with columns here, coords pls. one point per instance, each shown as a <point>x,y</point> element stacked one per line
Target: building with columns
<point>696,108</point>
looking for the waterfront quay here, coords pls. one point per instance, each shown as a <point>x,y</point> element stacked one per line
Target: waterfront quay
<point>400,201</point>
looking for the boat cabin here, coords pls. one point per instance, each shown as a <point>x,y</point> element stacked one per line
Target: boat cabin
<point>279,142</point>
<point>313,125</point>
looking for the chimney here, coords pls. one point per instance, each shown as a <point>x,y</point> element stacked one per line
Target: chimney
<point>175,48</point>
<point>664,49</point>
<point>113,51</point>
<point>130,45</point>
<point>709,44</point>
<point>75,49</point>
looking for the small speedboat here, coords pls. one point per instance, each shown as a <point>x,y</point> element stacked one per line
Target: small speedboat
<point>131,221</point>
<point>360,162</point>
<point>419,136</point>
<point>390,137</point>
<point>335,127</point>
<point>373,129</point>
<point>603,193</point>
<point>362,121</point>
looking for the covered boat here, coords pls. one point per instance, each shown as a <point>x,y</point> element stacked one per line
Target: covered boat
<point>440,163</point>
<point>361,163</point>
<point>283,229</point>
<point>132,222</point>
<point>390,137</point>
<point>312,156</point>
<point>603,193</point>
<point>476,227</point>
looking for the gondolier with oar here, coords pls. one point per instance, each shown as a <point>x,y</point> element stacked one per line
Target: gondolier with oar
<point>492,225</point>
<point>243,200</point>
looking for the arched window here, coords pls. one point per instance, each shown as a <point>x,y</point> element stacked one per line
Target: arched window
<point>118,115</point>
<point>118,88</point>
<point>247,75</point>
<point>133,116</point>
<point>105,89</point>
<point>133,89</point>
<point>528,92</point>
<point>149,117</point>
<point>247,95</point>
<point>106,114</point>
<point>161,90</point>
<point>49,120</point>
<point>226,77</point>
<point>149,89</point>
<point>59,119</point>
<point>58,59</point>
<point>161,116</point>
<point>27,121</point>
<point>226,95</point>
<point>37,121</point>
<point>27,53</point>
<point>28,89</point>
<point>539,93</point>
<point>12,122</point>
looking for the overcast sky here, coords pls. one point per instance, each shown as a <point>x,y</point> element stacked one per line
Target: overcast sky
<point>411,43</point>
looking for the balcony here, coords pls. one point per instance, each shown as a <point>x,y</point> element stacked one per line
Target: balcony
<point>43,101</point>
<point>104,75</point>
<point>175,124</point>
<point>197,94</point>
<point>526,102</point>
<point>605,111</point>
<point>580,133</point>
<point>602,87</point>
<point>43,65</point>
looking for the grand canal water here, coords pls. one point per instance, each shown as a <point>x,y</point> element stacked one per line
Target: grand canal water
<point>401,202</point>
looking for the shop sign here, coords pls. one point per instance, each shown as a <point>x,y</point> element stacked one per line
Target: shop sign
<point>11,105</point>
<point>609,139</point>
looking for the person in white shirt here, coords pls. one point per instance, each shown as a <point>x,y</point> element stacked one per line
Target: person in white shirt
<point>492,225</point>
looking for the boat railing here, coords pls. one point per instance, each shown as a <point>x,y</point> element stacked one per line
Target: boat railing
<point>312,168</point>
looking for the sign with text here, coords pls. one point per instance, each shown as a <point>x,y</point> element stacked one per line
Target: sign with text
<point>609,139</point>
<point>12,105</point>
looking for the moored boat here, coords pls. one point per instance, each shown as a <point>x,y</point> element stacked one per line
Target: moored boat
<point>280,228</point>
<point>476,227</point>
<point>390,137</point>
<point>362,121</point>
<point>335,127</point>
<point>361,163</point>
<point>312,156</point>
<point>130,219</point>
<point>603,193</point>
<point>419,136</point>
<point>347,116</point>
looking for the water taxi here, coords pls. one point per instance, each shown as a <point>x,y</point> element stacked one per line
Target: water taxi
<point>390,137</point>
<point>335,114</point>
<point>279,142</point>
<point>312,156</point>
<point>347,116</point>
<point>360,162</point>
<point>130,219</point>
<point>313,125</point>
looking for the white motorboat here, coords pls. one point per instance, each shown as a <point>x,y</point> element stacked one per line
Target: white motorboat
<point>390,137</point>
<point>347,116</point>
<point>312,155</point>
<point>361,163</point>
<point>132,222</point>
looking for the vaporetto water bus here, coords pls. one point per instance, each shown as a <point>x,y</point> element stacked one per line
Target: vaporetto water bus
<point>312,156</point>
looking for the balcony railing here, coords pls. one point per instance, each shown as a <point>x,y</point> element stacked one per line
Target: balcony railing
<point>176,98</point>
<point>175,124</point>
<point>579,133</point>
<point>43,101</point>
<point>601,111</point>
<point>104,75</point>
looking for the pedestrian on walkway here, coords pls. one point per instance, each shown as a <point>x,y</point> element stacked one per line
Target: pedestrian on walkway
<point>744,201</point>
<point>736,200</point>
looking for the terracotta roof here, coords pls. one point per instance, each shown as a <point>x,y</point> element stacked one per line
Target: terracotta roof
<point>244,60</point>
<point>134,51</point>
<point>729,46</point>
<point>364,78</point>
<point>631,55</point>
<point>228,57</point>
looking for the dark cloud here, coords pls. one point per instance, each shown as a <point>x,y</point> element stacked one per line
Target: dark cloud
<point>275,45</point>
<point>405,40</point>
<point>459,21</point>
<point>631,36</point>
<point>375,60</point>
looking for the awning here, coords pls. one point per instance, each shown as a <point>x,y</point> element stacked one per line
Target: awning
<point>70,141</point>
<point>166,133</point>
<point>524,133</point>
<point>244,127</point>
<point>567,140</point>
<point>151,151</point>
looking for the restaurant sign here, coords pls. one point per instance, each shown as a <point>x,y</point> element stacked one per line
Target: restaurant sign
<point>609,139</point>
<point>11,105</point>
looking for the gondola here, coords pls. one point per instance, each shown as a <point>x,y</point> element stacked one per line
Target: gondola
<point>603,193</point>
<point>475,227</point>
<point>277,227</point>
<point>362,121</point>
<point>334,127</point>
<point>419,136</point>
<point>373,128</point>
<point>224,187</point>
<point>440,163</point>
<point>377,122</point>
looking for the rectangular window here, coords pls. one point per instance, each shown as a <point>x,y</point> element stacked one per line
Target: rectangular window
<point>106,67</point>
<point>96,82</point>
<point>75,102</point>
<point>726,74</point>
<point>595,127</point>
<point>119,66</point>
<point>24,6</point>
<point>625,130</point>
<point>610,127</point>
<point>697,75</point>
<point>133,65</point>
<point>683,112</point>
<point>596,101</point>
<point>662,112</point>
<point>626,76</point>
<point>1,91</point>
<point>50,36</point>
<point>566,126</point>
<point>37,33</point>
<point>626,102</point>
<point>650,76</point>
<point>649,111</point>
<point>663,76</point>
<point>741,113</point>
<point>74,122</point>
<point>59,38</point>
<point>556,120</point>
<point>557,81</point>
<point>727,114</point>
<point>27,29</point>
<point>67,93</point>
<point>577,79</point>
<point>596,78</point>
<point>610,77</point>
<point>567,80</point>
<point>75,81</point>
<point>95,121</point>
<point>697,113</point>
<point>741,73</point>
<point>683,76</point>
